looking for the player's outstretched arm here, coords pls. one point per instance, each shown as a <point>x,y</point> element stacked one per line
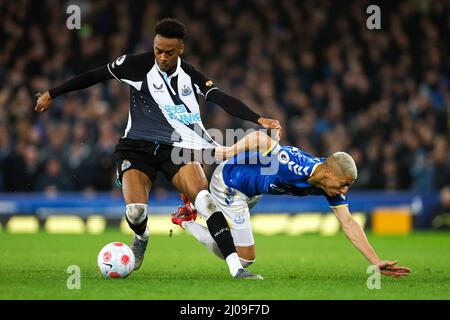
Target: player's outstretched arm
<point>84,80</point>
<point>239,109</point>
<point>355,233</point>
<point>254,141</point>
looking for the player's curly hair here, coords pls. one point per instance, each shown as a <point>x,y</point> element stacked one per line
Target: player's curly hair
<point>171,28</point>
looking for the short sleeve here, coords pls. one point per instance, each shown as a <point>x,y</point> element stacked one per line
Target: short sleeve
<point>295,166</point>
<point>292,169</point>
<point>272,151</point>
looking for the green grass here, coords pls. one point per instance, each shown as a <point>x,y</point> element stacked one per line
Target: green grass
<point>302,267</point>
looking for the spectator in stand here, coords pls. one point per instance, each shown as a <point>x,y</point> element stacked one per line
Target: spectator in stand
<point>312,64</point>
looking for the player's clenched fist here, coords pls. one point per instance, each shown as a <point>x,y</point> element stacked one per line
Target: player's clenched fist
<point>43,102</point>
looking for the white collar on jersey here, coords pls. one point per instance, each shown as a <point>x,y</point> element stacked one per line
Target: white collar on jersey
<point>314,168</point>
<point>166,77</point>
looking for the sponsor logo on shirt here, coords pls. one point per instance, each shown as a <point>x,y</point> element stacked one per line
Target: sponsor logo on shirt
<point>180,113</point>
<point>158,88</point>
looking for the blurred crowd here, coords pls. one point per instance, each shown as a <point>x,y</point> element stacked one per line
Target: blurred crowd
<point>381,95</point>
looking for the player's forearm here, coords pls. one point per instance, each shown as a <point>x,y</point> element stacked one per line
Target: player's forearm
<point>247,143</point>
<point>233,106</point>
<point>355,233</point>
<point>254,141</point>
<point>82,81</point>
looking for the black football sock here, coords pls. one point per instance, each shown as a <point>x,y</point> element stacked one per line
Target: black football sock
<point>139,229</point>
<point>220,231</point>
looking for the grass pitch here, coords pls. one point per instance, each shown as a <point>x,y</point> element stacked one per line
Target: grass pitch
<point>178,267</point>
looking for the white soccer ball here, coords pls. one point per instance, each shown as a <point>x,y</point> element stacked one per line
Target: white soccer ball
<point>116,260</point>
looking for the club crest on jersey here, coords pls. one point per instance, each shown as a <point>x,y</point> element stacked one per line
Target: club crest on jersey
<point>185,90</point>
<point>125,165</point>
<point>283,157</point>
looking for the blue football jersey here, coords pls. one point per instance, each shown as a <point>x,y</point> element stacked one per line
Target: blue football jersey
<point>282,170</point>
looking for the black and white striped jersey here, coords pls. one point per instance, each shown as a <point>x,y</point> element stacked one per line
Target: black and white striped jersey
<point>164,108</point>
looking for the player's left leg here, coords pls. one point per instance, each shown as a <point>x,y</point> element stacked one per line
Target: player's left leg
<point>246,255</point>
<point>136,186</point>
<point>135,173</point>
<point>236,209</point>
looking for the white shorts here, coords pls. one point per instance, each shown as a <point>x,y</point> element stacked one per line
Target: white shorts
<point>235,206</point>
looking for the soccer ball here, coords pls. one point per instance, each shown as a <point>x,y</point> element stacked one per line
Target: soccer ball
<point>115,260</point>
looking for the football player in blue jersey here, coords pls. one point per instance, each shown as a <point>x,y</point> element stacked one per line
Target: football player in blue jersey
<point>258,165</point>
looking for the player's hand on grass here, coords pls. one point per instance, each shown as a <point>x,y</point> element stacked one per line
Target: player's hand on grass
<point>389,268</point>
<point>43,102</point>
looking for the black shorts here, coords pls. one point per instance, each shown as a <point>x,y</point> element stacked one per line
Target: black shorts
<point>145,156</point>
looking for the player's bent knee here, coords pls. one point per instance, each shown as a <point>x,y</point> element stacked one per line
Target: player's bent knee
<point>195,189</point>
<point>136,212</point>
<point>205,204</point>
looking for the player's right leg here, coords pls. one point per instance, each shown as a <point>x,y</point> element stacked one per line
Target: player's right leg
<point>135,161</point>
<point>135,188</point>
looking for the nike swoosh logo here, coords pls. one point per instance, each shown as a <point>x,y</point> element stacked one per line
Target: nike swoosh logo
<point>108,264</point>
